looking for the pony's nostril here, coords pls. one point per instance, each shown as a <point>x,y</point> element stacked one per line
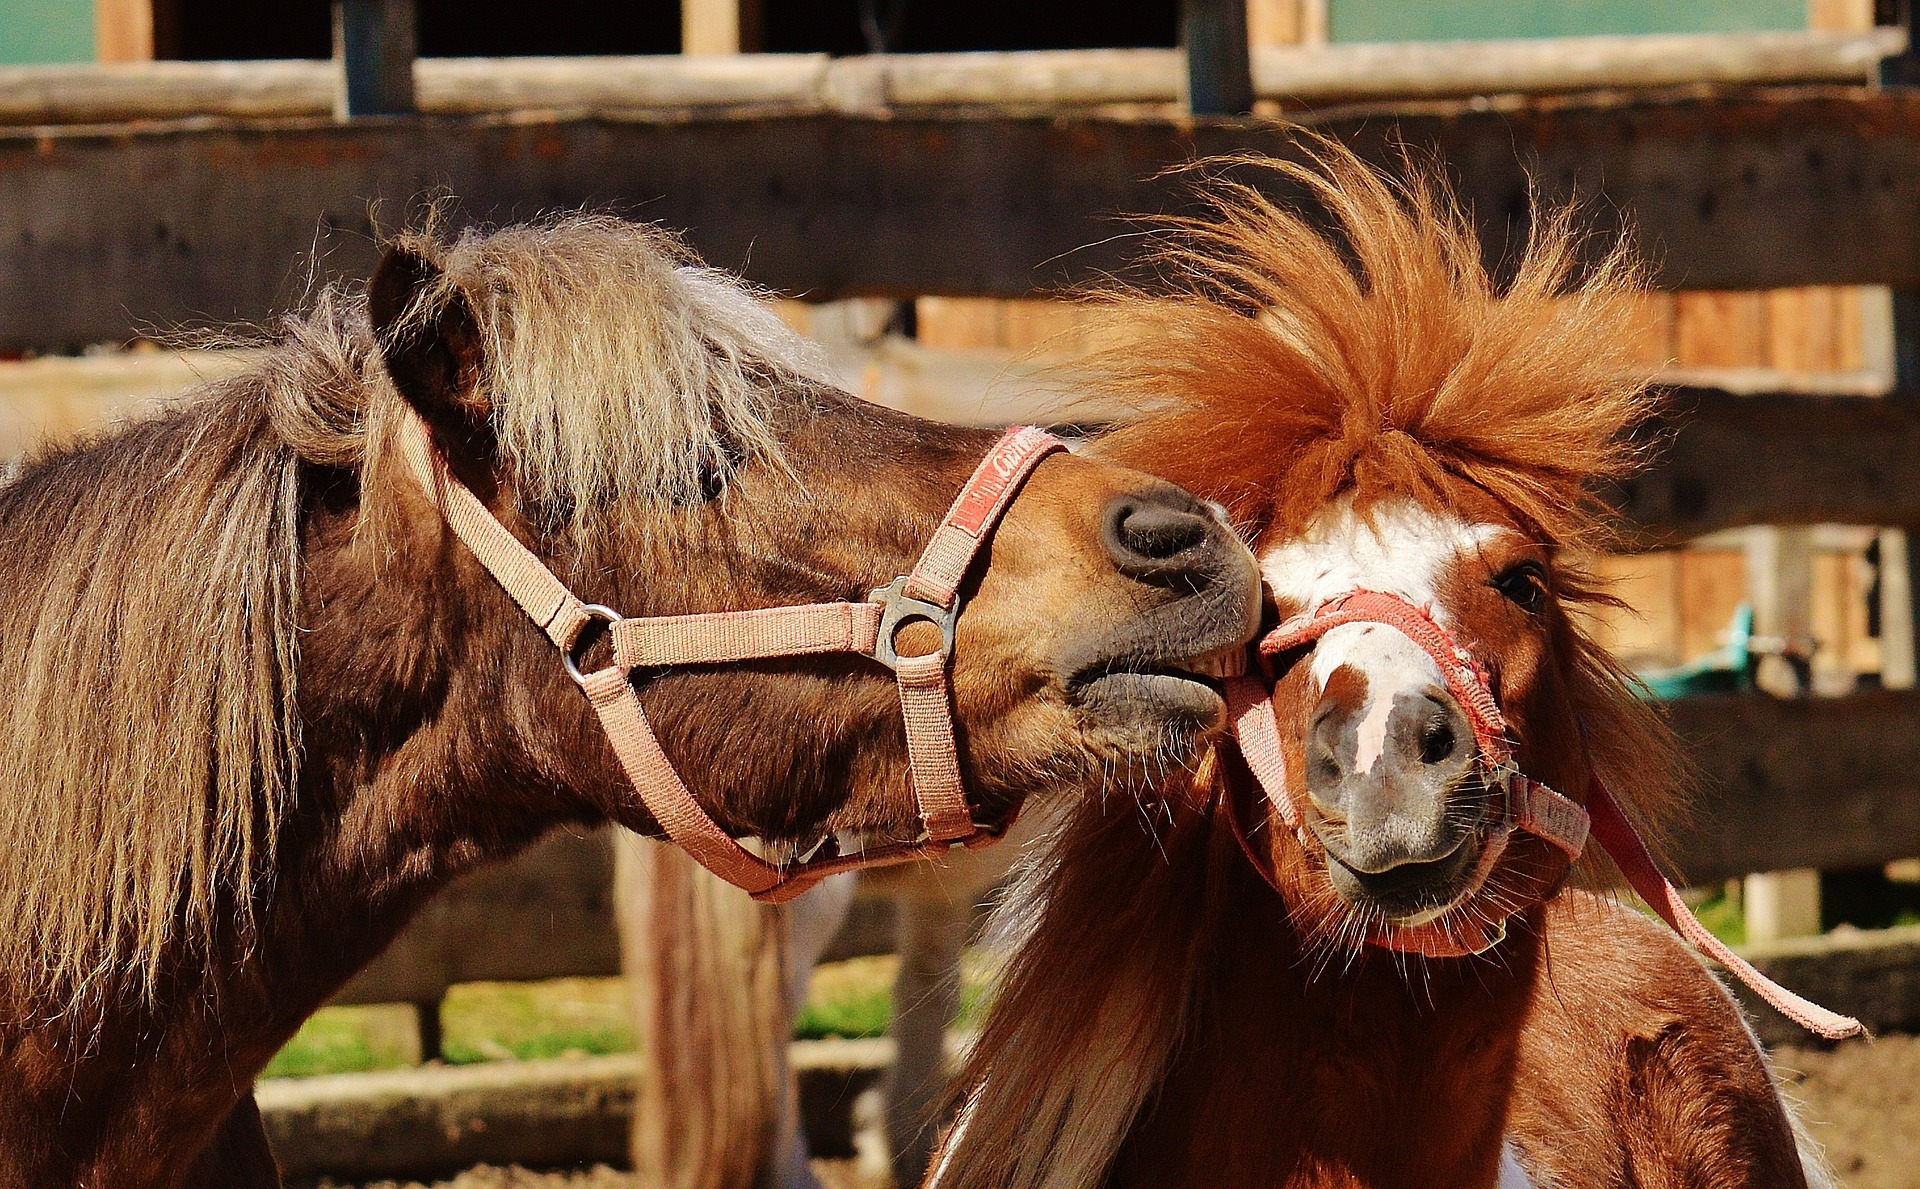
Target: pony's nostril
<point>1148,532</point>
<point>1437,740</point>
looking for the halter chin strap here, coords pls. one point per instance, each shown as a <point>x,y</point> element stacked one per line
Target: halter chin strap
<point>1529,805</point>
<point>930,593</point>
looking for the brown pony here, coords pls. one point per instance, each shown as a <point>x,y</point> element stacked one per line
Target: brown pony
<point>262,702</point>
<point>1390,994</point>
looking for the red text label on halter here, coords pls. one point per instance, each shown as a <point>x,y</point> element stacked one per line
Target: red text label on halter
<point>983,500</point>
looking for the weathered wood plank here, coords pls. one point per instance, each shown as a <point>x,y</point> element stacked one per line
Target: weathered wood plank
<point>1873,976</point>
<point>1822,782</point>
<point>546,914</point>
<point>1293,76</point>
<point>1815,782</point>
<point>439,1121</point>
<point>102,231</point>
<point>1724,460</point>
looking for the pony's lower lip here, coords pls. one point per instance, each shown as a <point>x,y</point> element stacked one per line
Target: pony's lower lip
<point>1410,894</point>
<point>1167,693</point>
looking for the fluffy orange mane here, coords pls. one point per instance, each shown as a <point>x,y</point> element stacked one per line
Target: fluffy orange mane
<point>1358,344</point>
<point>1370,349</point>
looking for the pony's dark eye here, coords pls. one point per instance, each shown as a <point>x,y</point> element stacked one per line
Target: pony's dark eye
<point>713,476</point>
<point>1523,585</point>
<point>716,463</point>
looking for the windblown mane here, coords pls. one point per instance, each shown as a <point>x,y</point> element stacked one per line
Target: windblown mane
<point>150,737</point>
<point>1292,365</point>
<point>1283,359</point>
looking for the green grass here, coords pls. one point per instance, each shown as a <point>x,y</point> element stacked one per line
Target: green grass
<point>573,1017</point>
<point>577,1017</point>
<point>479,1022</point>
<point>1724,916</point>
<point>851,998</point>
<point>350,1040</point>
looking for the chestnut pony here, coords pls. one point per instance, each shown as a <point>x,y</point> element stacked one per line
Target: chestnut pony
<point>262,702</point>
<point>1365,977</point>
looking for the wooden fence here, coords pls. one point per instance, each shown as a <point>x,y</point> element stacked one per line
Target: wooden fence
<point>827,184</point>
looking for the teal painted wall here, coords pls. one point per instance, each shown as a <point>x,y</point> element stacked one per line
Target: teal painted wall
<point>1438,20</point>
<point>45,31</point>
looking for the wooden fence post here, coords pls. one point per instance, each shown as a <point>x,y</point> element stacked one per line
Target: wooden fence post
<point>1219,68</point>
<point>1780,586</point>
<point>123,30</point>
<point>719,27</point>
<point>374,45</point>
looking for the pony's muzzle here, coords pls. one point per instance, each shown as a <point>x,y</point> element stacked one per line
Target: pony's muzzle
<point>1391,777</point>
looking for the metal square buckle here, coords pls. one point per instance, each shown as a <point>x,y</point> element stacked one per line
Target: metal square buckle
<point>901,609</point>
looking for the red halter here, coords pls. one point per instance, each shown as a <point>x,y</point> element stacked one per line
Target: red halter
<point>1528,804</point>
<point>930,593</point>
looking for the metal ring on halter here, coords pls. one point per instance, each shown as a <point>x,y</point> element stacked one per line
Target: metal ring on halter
<point>901,609</point>
<point>584,638</point>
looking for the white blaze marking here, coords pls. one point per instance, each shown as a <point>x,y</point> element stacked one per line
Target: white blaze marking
<point>1371,739</point>
<point>1405,551</point>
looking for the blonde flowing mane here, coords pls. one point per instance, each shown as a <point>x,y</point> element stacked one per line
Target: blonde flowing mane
<point>150,742</point>
<point>1283,357</point>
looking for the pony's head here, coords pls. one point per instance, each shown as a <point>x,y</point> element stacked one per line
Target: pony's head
<point>1381,415</point>
<point>665,446</point>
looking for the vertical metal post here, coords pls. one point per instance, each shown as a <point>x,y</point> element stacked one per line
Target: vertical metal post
<point>1219,66</point>
<point>374,44</point>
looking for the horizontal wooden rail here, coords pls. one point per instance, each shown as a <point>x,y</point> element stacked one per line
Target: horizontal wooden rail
<point>104,231</point>
<point>794,83</point>
<point>1816,782</point>
<point>1823,782</point>
<point>1722,460</point>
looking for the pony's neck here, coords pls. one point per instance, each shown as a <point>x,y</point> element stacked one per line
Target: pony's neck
<point>1374,1068</point>
<point>420,703</point>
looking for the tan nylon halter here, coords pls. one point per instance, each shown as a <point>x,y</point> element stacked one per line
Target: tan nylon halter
<point>930,592</point>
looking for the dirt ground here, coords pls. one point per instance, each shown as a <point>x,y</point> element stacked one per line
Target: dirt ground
<point>1861,1100</point>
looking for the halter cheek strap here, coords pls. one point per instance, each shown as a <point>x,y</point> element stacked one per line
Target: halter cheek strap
<point>1529,805</point>
<point>930,593</point>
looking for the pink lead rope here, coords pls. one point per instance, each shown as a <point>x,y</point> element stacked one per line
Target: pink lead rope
<point>930,592</point>
<point>1531,806</point>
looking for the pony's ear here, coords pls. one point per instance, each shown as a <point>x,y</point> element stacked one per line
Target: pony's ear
<point>429,338</point>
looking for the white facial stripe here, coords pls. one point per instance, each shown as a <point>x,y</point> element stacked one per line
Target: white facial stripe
<point>1390,662</point>
<point>1371,737</point>
<point>1404,551</point>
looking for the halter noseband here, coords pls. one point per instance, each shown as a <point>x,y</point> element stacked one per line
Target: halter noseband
<point>930,593</point>
<point>1528,804</point>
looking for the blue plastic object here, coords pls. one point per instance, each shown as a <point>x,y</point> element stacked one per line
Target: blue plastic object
<point>1728,669</point>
